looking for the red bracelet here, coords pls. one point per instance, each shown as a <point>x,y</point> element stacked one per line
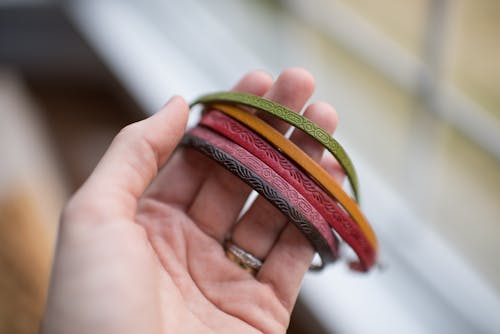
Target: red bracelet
<point>306,163</point>
<point>327,207</point>
<point>288,192</point>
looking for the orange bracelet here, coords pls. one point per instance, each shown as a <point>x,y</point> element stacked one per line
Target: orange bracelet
<point>305,162</point>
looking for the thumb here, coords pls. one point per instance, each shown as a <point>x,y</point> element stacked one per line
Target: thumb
<point>133,159</point>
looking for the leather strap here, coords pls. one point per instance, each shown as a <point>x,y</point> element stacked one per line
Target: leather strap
<point>292,118</point>
<point>266,182</point>
<point>296,155</point>
<point>347,229</point>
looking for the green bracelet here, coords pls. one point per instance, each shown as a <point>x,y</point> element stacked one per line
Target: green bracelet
<point>291,118</point>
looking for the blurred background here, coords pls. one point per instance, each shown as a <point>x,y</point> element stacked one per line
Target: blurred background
<point>417,88</point>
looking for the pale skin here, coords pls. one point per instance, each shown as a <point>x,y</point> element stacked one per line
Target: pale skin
<point>140,243</point>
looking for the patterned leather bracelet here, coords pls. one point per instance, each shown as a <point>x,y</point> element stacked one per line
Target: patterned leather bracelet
<point>347,229</point>
<point>291,117</point>
<point>314,170</point>
<point>270,185</point>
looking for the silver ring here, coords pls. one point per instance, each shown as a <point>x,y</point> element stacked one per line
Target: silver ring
<point>242,258</point>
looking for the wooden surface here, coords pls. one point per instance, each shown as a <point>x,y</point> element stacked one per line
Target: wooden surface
<point>52,134</point>
<point>31,195</point>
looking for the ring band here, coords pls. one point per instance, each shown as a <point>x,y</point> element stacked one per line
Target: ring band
<point>242,258</point>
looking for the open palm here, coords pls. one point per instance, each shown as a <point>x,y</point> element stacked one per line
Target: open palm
<point>140,248</point>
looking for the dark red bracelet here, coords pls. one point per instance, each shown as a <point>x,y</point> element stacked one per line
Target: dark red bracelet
<point>270,185</point>
<point>327,207</point>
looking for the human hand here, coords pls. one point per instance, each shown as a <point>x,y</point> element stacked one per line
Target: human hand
<point>140,248</point>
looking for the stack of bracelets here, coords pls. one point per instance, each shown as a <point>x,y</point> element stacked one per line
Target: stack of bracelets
<point>283,174</point>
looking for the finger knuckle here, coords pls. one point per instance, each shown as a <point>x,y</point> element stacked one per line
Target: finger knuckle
<point>130,131</point>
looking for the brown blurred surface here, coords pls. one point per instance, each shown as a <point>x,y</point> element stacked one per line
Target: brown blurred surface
<point>31,195</point>
<point>52,135</point>
<point>25,257</point>
<point>81,119</point>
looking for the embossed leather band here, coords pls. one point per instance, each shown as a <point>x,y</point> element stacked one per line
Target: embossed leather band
<point>326,206</point>
<point>296,155</point>
<point>292,118</point>
<point>272,187</point>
